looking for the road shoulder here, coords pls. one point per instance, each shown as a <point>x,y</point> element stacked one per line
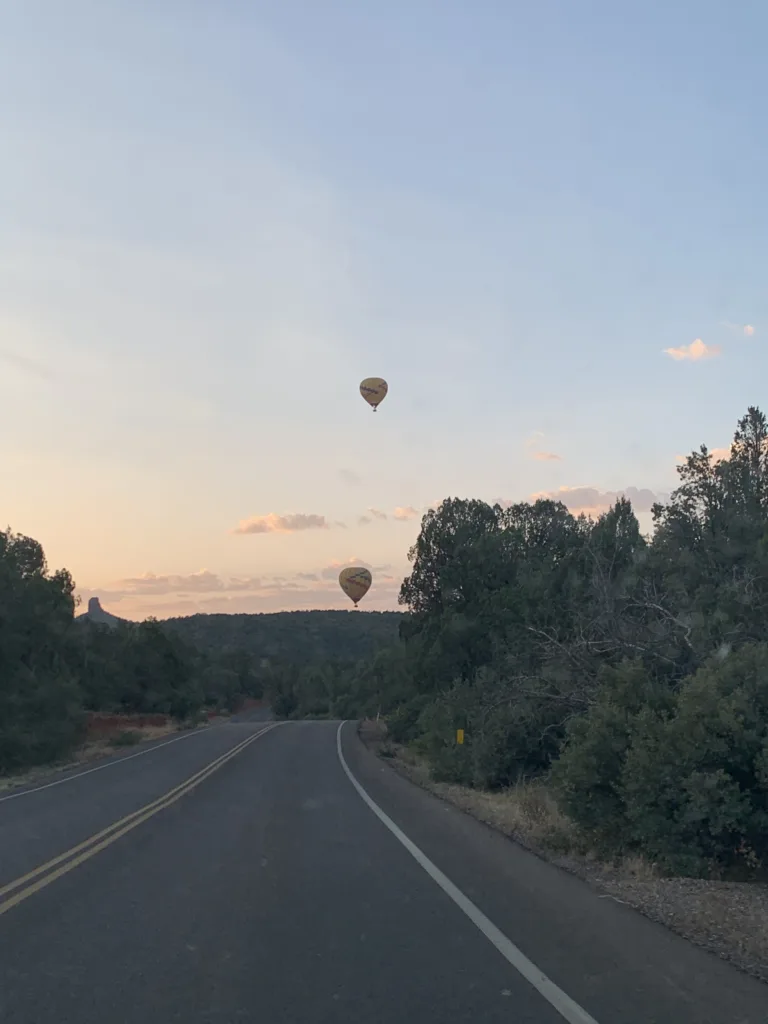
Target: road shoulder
<point>728,919</point>
<point>598,950</point>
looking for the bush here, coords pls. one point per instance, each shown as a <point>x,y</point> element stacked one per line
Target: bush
<point>694,783</point>
<point>588,776</point>
<point>403,722</point>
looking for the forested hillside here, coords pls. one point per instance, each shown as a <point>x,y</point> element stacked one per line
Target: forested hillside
<point>55,666</point>
<point>632,673</point>
<point>292,636</point>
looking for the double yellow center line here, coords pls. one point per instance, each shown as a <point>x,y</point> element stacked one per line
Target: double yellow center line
<point>72,858</point>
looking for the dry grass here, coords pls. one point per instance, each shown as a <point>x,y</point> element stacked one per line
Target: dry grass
<point>103,746</point>
<point>91,750</point>
<point>729,919</point>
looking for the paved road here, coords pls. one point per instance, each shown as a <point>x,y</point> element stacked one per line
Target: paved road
<point>287,888</point>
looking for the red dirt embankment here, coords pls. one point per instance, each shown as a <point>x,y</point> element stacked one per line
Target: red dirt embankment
<point>248,703</point>
<point>100,724</point>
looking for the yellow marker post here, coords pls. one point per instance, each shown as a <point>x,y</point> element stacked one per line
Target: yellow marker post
<point>459,735</point>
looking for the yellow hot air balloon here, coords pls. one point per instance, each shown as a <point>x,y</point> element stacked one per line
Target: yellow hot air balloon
<point>355,582</point>
<point>374,390</point>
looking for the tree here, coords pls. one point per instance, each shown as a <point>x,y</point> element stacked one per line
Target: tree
<point>40,700</point>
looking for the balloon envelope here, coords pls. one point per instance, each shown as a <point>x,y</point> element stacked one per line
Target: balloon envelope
<point>355,582</point>
<point>374,390</point>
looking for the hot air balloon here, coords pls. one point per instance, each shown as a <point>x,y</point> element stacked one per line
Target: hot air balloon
<point>355,582</point>
<point>374,390</point>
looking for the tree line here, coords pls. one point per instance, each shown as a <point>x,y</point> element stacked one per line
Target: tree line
<point>55,667</point>
<point>630,673</point>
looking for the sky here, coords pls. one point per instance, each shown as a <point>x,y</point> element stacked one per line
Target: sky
<point>544,224</point>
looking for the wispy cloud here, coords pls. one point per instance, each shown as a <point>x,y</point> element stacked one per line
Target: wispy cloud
<point>173,594</point>
<point>25,364</point>
<point>349,476</point>
<point>535,451</point>
<point>274,523</point>
<point>694,352</point>
<point>202,582</point>
<point>534,440</point>
<point>376,513</point>
<point>746,329</point>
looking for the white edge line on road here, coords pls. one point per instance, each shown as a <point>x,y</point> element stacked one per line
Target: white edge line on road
<point>555,996</point>
<point>99,767</point>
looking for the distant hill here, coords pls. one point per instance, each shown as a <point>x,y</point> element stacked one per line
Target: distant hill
<point>97,614</point>
<point>293,636</point>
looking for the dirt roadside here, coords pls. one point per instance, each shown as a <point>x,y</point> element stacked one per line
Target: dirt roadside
<point>93,749</point>
<point>729,919</point>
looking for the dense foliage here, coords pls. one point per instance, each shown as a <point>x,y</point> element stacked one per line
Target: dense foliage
<point>631,672</point>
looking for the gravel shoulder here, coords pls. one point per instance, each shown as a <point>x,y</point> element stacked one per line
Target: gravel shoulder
<point>729,919</point>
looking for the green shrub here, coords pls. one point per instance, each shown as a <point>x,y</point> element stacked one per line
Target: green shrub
<point>694,783</point>
<point>588,776</point>
<point>403,723</point>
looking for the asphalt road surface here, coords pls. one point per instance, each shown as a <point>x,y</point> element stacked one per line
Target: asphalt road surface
<point>278,872</point>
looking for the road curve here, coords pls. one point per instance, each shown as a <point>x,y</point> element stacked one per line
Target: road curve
<point>258,878</point>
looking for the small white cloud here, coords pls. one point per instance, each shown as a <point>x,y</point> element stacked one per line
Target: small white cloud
<point>749,330</point>
<point>694,352</point>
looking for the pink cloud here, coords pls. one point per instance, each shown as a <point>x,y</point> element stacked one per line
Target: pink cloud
<point>273,523</point>
<point>546,457</point>
<point>139,597</point>
<point>405,513</point>
<point>592,501</point>
<point>694,352</point>
<point>197,582</point>
<point>715,454</point>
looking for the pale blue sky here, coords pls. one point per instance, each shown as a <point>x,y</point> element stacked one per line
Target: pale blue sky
<point>216,218</point>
